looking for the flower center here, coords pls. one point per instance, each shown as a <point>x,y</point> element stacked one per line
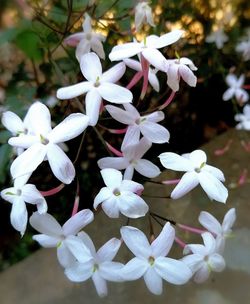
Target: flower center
<point>116,192</point>
<point>198,169</point>
<point>95,267</point>
<point>43,140</point>
<point>19,192</point>
<point>151,260</point>
<point>88,36</point>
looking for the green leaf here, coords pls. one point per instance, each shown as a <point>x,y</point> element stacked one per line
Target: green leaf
<point>5,155</point>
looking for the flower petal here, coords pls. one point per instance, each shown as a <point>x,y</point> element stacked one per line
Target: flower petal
<point>91,66</point>
<point>19,215</point>
<point>198,157</point>
<point>175,162</point>
<point>46,241</point>
<point>118,163</point>
<point>187,183</point>
<point>114,93</point>
<point>228,94</point>
<point>111,271</point>
<point>147,168</point>
<point>120,115</point>
<point>79,272</point>
<point>39,119</point>
<point>215,171</point>
<point>103,195</point>
<point>208,221</point>
<point>97,47</point>
<point>134,269</point>
<point>77,222</point>
<point>217,262</point>
<point>110,207</point>
<point>132,205</point>
<point>166,39</point>
<point>114,73</point>
<point>126,50</point>
<point>155,58</point>
<point>12,122</point>
<point>129,185</point>
<point>77,248</point>
<point>229,220</point>
<point>109,250</point>
<point>188,76</point>
<point>202,274</point>
<point>111,177</point>
<point>153,281</point>
<point>73,91</point>
<point>46,224</point>
<point>87,242</point>
<point>130,139</point>
<point>100,284</point>
<point>93,103</point>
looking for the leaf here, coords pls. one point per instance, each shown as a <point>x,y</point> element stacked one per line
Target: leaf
<point>5,155</point>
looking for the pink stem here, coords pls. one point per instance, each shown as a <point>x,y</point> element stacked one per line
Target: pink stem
<point>171,182</point>
<point>115,131</point>
<point>76,206</point>
<point>134,80</point>
<point>52,191</point>
<point>180,242</point>
<point>222,151</point>
<point>168,101</point>
<point>191,229</point>
<point>245,145</point>
<point>145,69</point>
<point>114,150</point>
<point>243,177</point>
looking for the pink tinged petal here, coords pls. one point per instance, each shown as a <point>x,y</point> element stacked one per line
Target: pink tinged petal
<point>188,76</point>
<point>141,148</point>
<point>163,243</point>
<point>46,241</point>
<point>46,224</point>
<point>93,104</point>
<point>102,196</point>
<point>149,16</point>
<point>23,141</point>
<point>214,171</point>
<point>213,187</point>
<point>131,205</point>
<point>126,50</point>
<point>202,274</point>
<point>209,242</point>
<point>195,248</point>
<point>114,93</point>
<point>154,132</point>
<point>129,185</point>
<point>208,221</point>
<point>111,271</point>
<point>229,220</point>
<point>78,222</point>
<point>240,81</point>
<point>131,138</point>
<point>187,183</point>
<point>74,90</point>
<point>136,241</point>
<point>60,164</point>
<point>129,172</point>
<point>28,161</point>
<point>193,261</point>
<point>198,158</point>
<point>87,242</point>
<point>87,24</point>
<point>166,39</point>
<point>173,271</point>
<point>175,162</point>
<point>19,215</point>
<point>153,80</point>
<point>134,269</point>
<point>77,248</point>
<point>79,272</point>
<point>153,281</point>
<point>114,73</point>
<point>91,66</point>
<point>111,177</point>
<point>110,207</point>
<point>155,58</point>
<point>82,48</point>
<point>69,128</point>
<point>241,95</point>
<point>12,122</point>
<point>231,80</point>
<point>100,284</point>
<point>155,116</point>
<point>120,115</point>
<point>74,39</point>
<point>147,168</point>
<point>139,17</point>
<point>118,163</point>
<point>132,110</point>
<point>133,64</point>
<point>173,77</point>
<point>216,262</point>
<point>97,47</point>
<point>228,94</point>
<point>109,250</point>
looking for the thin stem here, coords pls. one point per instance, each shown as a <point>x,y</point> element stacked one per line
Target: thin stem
<point>103,141</point>
<point>168,101</point>
<point>163,218</point>
<point>52,191</point>
<point>79,148</point>
<point>191,229</point>
<point>180,242</point>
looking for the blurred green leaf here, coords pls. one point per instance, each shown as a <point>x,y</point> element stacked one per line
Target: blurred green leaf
<point>5,155</point>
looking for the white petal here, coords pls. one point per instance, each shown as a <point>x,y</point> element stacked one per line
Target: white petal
<point>112,178</point>
<point>139,16</point>
<point>77,248</point>
<point>133,64</point>
<point>114,74</point>
<point>213,187</point>
<point>126,50</point>
<point>109,250</point>
<point>228,94</point>
<point>173,77</point>
<point>173,271</point>
<point>154,132</point>
<point>198,157</point>
<point>28,161</point>
<point>153,80</point>
<point>132,205</point>
<point>39,119</point>
<point>175,162</point>
<point>9,194</point>
<point>153,281</point>
<point>229,220</point>
<point>114,93</point>
<point>155,58</point>
<point>209,242</point>
<point>19,215</point>
<point>82,48</point>
<point>91,66</point>
<point>202,274</point>
<point>208,221</point>
<point>46,241</point>
<point>167,39</point>
<point>163,243</point>
<point>103,195</point>
<point>87,24</point>
<point>118,163</point>
<point>79,272</point>
<point>60,164</point>
<point>134,269</point>
<point>69,128</point>
<point>139,149</point>
<point>241,95</point>
<point>23,141</point>
<point>155,116</point>
<point>147,168</point>
<point>216,262</point>
<point>110,207</point>
<point>136,241</point>
<point>240,81</point>
<point>187,183</point>
<point>214,171</point>
<point>100,284</point>
<point>97,47</point>
<point>130,139</point>
<point>188,76</point>
<point>31,195</point>
<point>120,115</point>
<point>129,172</point>
<point>93,103</point>
<point>46,224</point>
<point>231,80</point>
<point>12,122</point>
<point>193,261</point>
<point>111,271</point>
<point>74,90</point>
<point>196,249</point>
<point>129,185</point>
<point>77,222</point>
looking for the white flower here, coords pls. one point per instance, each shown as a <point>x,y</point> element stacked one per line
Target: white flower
<point>221,231</point>
<point>100,267</point>
<point>235,88</point>
<point>152,78</point>
<point>218,37</point>
<point>181,68</point>
<point>43,143</point>
<point>204,258</point>
<point>132,160</point>
<point>147,125</point>
<point>98,85</point>
<point>147,48</point>
<point>53,235</point>
<point>150,261</point>
<point>87,40</point>
<point>14,123</point>
<point>244,119</point>
<point>197,171</point>
<point>244,48</point>
<point>119,196</point>
<point>143,14</point>
<point>18,195</point>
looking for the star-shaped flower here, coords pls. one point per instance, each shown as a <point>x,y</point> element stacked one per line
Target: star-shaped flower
<point>150,259</point>
<point>120,196</point>
<point>235,88</point>
<point>143,15</point>
<point>197,172</point>
<point>244,119</point>
<point>98,85</point>
<point>244,48</point>
<point>218,37</point>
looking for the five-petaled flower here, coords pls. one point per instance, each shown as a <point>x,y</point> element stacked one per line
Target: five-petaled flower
<point>235,88</point>
<point>244,119</point>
